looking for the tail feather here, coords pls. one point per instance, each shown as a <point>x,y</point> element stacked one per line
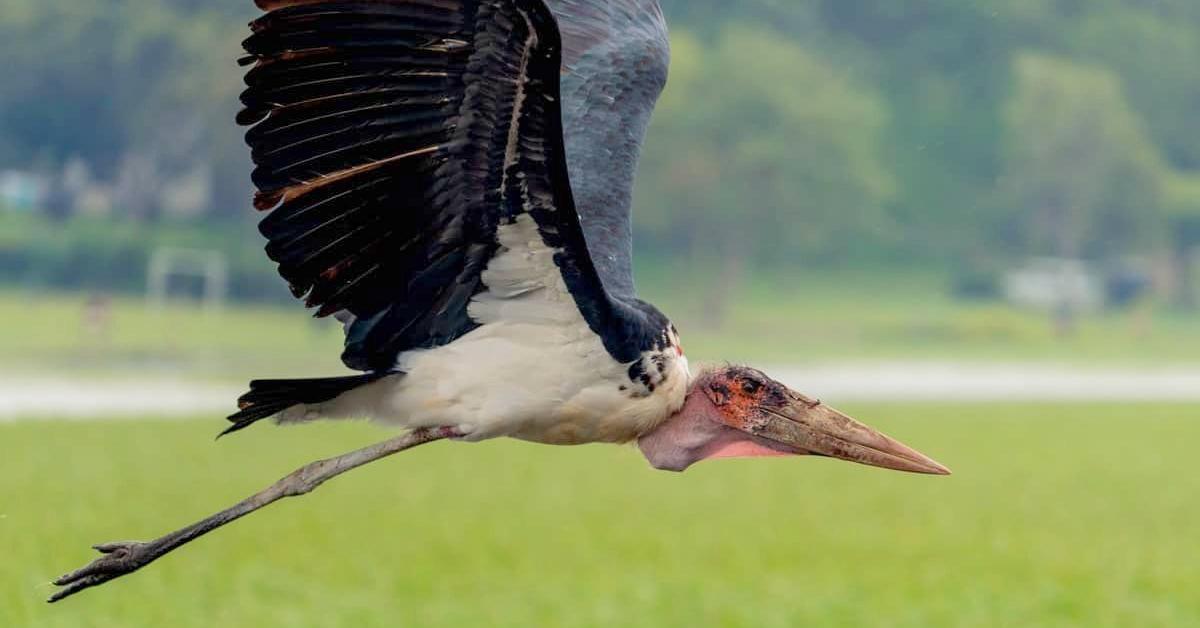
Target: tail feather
<point>268,397</point>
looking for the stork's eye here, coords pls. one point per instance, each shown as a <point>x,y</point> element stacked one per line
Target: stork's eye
<point>751,387</point>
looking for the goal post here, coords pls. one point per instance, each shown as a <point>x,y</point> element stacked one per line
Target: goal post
<point>169,263</point>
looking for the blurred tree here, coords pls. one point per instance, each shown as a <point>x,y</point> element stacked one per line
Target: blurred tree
<point>131,87</point>
<point>760,141</point>
<point>1080,175</point>
<point>720,177</point>
<point>1183,211</point>
<point>1153,52</point>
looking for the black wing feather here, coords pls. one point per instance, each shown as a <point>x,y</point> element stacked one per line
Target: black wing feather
<point>381,139</point>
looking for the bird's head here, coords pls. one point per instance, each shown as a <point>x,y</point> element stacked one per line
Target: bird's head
<point>737,412</point>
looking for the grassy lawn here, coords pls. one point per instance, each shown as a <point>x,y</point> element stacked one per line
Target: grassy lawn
<point>850,316</point>
<point>1058,515</point>
<point>821,318</point>
<point>47,332</point>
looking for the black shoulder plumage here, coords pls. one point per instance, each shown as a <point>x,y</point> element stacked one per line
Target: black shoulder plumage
<point>391,138</point>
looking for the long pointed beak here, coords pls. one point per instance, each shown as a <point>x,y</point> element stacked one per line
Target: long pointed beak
<point>811,427</point>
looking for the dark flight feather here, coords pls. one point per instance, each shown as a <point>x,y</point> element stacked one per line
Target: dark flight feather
<point>380,140</point>
<point>270,397</point>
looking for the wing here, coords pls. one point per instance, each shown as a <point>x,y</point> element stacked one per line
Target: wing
<point>615,58</point>
<point>391,140</point>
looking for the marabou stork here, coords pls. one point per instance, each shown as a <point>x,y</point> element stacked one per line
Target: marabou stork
<point>452,180</point>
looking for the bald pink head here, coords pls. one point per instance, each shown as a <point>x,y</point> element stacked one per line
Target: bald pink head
<point>738,411</point>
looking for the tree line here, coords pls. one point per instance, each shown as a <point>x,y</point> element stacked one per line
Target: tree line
<point>799,133</point>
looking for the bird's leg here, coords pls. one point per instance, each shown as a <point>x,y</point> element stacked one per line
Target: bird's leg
<point>124,558</point>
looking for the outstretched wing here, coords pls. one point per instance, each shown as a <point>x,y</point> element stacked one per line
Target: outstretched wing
<point>615,58</point>
<point>391,140</point>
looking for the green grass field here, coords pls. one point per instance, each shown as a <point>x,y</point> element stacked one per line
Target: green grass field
<point>841,317</point>
<point>1057,515</point>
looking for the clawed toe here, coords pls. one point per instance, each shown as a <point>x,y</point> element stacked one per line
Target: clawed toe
<point>118,559</point>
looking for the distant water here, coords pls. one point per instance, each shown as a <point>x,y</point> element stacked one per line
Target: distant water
<point>947,381</point>
<point>42,398</point>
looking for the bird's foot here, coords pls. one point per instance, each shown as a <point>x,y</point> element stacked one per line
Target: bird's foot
<point>118,559</point>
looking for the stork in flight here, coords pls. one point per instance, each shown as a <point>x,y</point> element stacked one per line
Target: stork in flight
<point>452,180</point>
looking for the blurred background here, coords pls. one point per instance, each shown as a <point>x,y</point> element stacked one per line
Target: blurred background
<point>974,224</point>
